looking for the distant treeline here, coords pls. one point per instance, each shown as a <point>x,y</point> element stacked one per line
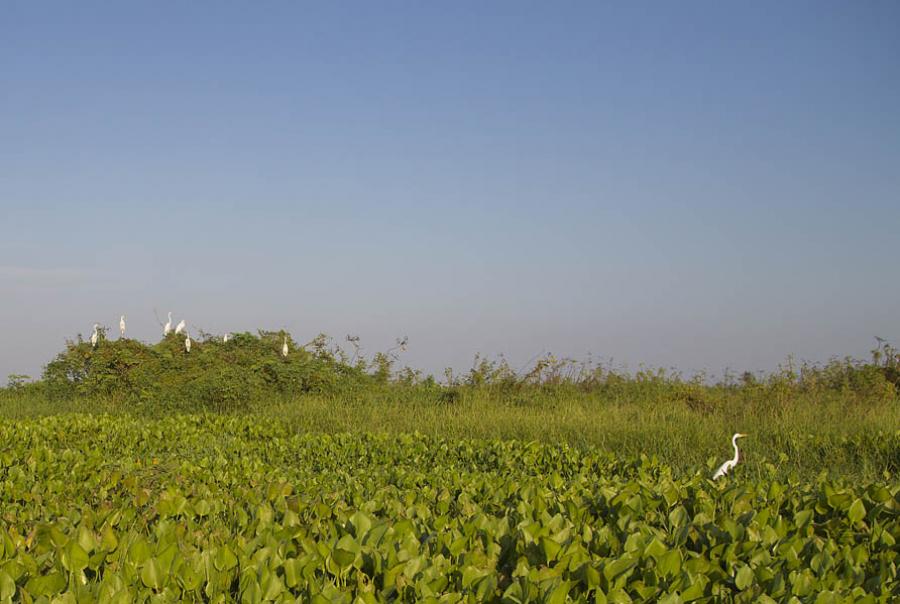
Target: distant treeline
<point>230,375</point>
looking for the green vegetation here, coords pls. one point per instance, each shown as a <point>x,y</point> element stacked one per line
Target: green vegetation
<point>121,509</point>
<point>144,473</point>
<point>214,376</point>
<point>842,418</point>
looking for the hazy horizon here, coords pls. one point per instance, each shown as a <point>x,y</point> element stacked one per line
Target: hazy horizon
<point>693,186</point>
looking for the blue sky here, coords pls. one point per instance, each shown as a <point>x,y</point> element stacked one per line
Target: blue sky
<point>694,185</point>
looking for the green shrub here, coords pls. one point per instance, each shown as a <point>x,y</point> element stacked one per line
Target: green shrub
<point>215,375</point>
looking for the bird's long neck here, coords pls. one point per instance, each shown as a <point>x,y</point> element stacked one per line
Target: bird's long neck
<point>736,452</point>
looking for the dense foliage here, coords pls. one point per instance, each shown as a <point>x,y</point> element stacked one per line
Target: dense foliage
<point>214,375</point>
<point>842,417</point>
<point>117,484</point>
<point>249,370</point>
<point>214,508</point>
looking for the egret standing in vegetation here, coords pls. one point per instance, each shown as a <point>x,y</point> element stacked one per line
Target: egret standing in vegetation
<point>180,327</point>
<point>726,467</point>
<point>95,337</point>
<point>226,337</point>
<point>122,326</point>
<point>187,342</point>
<point>168,328</point>
<point>284,348</point>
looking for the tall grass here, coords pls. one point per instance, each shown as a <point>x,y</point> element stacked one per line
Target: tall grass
<point>842,418</point>
<point>804,435</point>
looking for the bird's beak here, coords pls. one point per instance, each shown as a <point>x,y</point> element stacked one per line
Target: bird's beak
<point>741,435</point>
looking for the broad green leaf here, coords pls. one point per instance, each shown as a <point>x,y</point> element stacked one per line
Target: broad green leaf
<point>361,523</point>
<point>74,557</point>
<point>7,586</point>
<point>619,566</point>
<point>550,548</point>
<point>559,593</point>
<point>152,574</point>
<point>672,598</point>
<point>271,587</point>
<point>345,551</point>
<point>225,558</point>
<point>108,540</point>
<point>46,585</point>
<point>670,563</point>
<point>857,511</point>
<point>139,552</point>
<point>696,590</point>
<point>744,577</point>
<point>655,548</point>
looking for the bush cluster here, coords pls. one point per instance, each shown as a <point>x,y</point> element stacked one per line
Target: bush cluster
<point>214,375</point>
<point>233,375</point>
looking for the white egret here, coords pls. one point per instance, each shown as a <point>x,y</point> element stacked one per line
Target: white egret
<point>95,337</point>
<point>726,467</point>
<point>187,342</point>
<point>226,337</point>
<point>180,327</point>
<point>284,348</point>
<point>122,326</point>
<point>168,328</point>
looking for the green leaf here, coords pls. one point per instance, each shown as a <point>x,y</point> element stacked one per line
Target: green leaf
<point>828,597</point>
<point>139,552</point>
<point>617,567</point>
<point>108,540</point>
<point>670,563</point>
<point>46,585</point>
<point>345,551</point>
<point>361,523</point>
<point>74,557</point>
<point>293,571</point>
<point>857,511</point>
<point>225,558</point>
<point>672,598</point>
<point>591,577</point>
<point>7,586</point>
<point>67,597</point>
<point>152,574</point>
<point>655,548</point>
<point>803,517</point>
<point>744,578</point>
<point>485,587</point>
<point>696,590</point>
<point>550,548</point>
<point>252,592</point>
<point>678,517</point>
<point>618,596</point>
<point>272,587</point>
<point>191,575</point>
<point>86,539</point>
<point>559,593</point>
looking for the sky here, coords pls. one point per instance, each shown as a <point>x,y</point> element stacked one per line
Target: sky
<point>696,185</point>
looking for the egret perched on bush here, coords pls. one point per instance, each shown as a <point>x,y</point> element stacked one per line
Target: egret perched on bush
<point>180,327</point>
<point>284,348</point>
<point>122,326</point>
<point>726,467</point>
<point>95,337</point>
<point>187,342</point>
<point>226,337</point>
<point>168,328</point>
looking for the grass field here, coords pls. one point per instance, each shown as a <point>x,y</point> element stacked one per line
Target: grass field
<point>805,434</point>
